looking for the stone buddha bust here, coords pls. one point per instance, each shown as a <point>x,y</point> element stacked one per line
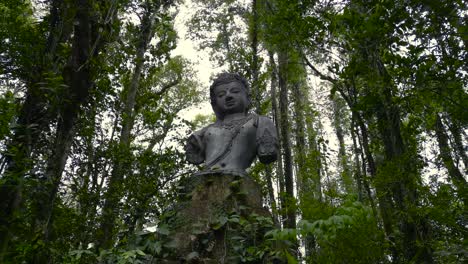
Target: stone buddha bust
<point>222,189</point>
<point>231,144</point>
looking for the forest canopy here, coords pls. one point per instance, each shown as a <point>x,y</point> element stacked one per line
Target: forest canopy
<point>368,97</point>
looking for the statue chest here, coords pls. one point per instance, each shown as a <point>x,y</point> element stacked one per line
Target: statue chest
<point>240,147</point>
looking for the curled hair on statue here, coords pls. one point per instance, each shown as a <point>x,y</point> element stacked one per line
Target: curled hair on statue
<point>226,77</point>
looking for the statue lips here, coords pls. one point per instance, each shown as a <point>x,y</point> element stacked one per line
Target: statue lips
<point>230,103</point>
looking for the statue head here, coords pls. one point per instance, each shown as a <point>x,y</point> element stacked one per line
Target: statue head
<point>229,94</point>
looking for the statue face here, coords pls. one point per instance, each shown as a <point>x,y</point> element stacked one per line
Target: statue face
<point>230,98</point>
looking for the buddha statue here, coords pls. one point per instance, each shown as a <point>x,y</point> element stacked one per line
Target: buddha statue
<point>222,190</point>
<point>231,144</point>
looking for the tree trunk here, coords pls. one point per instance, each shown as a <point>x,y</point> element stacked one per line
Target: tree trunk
<point>277,120</point>
<point>77,76</point>
<point>33,121</point>
<point>385,205</point>
<point>254,67</point>
<point>290,203</point>
<point>299,132</point>
<point>311,187</point>
<point>271,195</point>
<point>457,135</point>
<point>315,158</point>
<point>445,154</point>
<point>383,197</point>
<point>399,158</point>
<point>358,173</point>
<point>343,159</point>
<point>114,192</point>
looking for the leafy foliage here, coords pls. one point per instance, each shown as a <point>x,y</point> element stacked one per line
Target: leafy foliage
<point>376,121</point>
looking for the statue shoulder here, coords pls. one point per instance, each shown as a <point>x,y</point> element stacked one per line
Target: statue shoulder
<point>201,132</point>
<point>264,122</point>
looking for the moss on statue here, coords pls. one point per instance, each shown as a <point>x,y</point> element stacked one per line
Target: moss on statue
<point>219,219</point>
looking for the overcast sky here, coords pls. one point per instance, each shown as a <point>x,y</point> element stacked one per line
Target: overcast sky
<point>187,49</point>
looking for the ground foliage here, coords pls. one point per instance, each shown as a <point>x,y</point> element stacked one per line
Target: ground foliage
<point>372,96</point>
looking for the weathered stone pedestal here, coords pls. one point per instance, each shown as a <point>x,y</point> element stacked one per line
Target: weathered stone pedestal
<point>218,219</point>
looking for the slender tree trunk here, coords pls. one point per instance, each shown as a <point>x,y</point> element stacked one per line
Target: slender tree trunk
<point>453,127</point>
<point>363,140</point>
<point>299,132</point>
<point>254,67</point>
<point>88,196</point>
<point>290,205</point>
<point>277,119</point>
<point>401,160</point>
<point>115,186</point>
<point>227,45</point>
<point>385,204</point>
<point>271,195</point>
<point>33,121</point>
<point>311,186</point>
<point>256,94</point>
<point>315,158</point>
<point>458,144</point>
<point>383,197</point>
<point>445,154</point>
<point>304,174</point>
<point>343,159</point>
<point>77,76</point>
<point>358,173</point>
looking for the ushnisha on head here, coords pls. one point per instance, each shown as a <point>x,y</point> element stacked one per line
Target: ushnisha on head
<point>229,94</point>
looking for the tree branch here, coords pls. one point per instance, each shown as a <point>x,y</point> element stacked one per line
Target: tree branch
<point>317,72</point>
<point>167,86</point>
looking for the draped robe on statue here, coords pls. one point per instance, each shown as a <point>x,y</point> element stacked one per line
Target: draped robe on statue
<point>232,147</point>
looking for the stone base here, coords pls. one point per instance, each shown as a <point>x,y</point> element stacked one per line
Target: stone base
<point>216,219</point>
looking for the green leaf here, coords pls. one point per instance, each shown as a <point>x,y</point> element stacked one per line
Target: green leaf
<point>192,255</point>
<point>163,230</point>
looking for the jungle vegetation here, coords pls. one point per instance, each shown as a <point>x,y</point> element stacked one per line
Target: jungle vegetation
<point>369,98</point>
